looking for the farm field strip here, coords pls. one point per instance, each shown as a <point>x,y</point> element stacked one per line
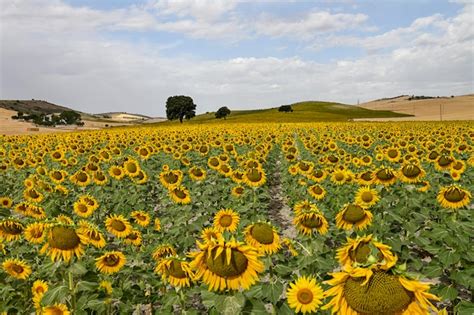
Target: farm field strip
<point>239,218</point>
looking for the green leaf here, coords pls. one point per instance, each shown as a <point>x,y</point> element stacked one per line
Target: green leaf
<point>283,270</point>
<point>230,305</point>
<point>78,269</point>
<point>465,307</point>
<point>433,271</point>
<point>273,291</point>
<point>449,257</point>
<point>285,310</point>
<point>55,295</point>
<point>86,286</point>
<point>448,293</point>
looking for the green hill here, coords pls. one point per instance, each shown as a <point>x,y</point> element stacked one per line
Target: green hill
<point>302,112</point>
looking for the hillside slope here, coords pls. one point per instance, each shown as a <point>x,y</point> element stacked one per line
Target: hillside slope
<point>302,112</point>
<point>446,108</point>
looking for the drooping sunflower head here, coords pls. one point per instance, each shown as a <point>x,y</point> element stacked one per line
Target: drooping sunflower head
<point>226,220</point>
<point>210,234</point>
<point>453,197</point>
<point>64,242</point>
<point>226,265</point>
<point>16,268</point>
<point>175,271</point>
<point>361,291</point>
<point>366,197</point>
<point>171,178</point>
<point>305,295</point>
<point>385,176</point>
<point>162,251</point>
<point>411,173</point>
<point>365,178</point>
<point>118,225</point>
<point>11,229</point>
<point>309,222</point>
<point>263,236</point>
<point>353,216</point>
<point>197,173</point>
<point>110,262</point>
<point>254,177</point>
<point>366,251</point>
<point>180,195</point>
<point>35,232</point>
<point>304,206</point>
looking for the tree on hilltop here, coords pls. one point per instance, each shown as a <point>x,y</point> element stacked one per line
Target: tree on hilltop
<point>180,107</point>
<point>222,112</point>
<point>285,108</point>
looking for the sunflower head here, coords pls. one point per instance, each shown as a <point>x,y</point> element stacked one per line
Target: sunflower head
<point>353,216</point>
<point>453,197</point>
<point>64,242</point>
<point>311,221</point>
<point>305,295</point>
<point>11,229</point>
<point>16,268</point>
<point>226,220</point>
<point>175,271</point>
<point>263,236</point>
<point>111,262</point>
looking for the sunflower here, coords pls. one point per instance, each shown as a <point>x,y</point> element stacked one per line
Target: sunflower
<point>106,286</point>
<point>56,309</point>
<point>308,222</point>
<point>35,232</point>
<point>443,162</point>
<point>318,175</point>
<point>304,206</point>
<point>64,242</point>
<point>38,289</point>
<point>338,177</point>
<point>317,192</point>
<point>226,265</point>
<point>157,224</point>
<point>22,208</point>
<point>92,233</point>
<point>226,220</point>
<point>81,178</point>
<point>33,195</point>
<point>365,178</point>
<point>57,176</point>
<point>131,167</point>
<point>16,268</point>
<point>238,176</point>
<point>453,197</point>
<point>254,177</point>
<point>110,262</point>
<point>141,218</point>
<point>100,178</point>
<point>411,173</point>
<point>393,155</point>
<point>180,195</point>
<point>134,238</point>
<point>366,197</point>
<point>210,233</point>
<point>116,172</point>
<point>353,216</point>
<point>385,176</point>
<point>362,291</point>
<point>305,295</point>
<point>175,271</point>
<point>213,162</point>
<point>36,212</point>
<point>197,174</point>
<point>6,202</point>
<point>82,209</point>
<point>11,230</point>
<point>171,178</point>
<point>425,186</point>
<point>238,191</point>
<point>263,236</point>
<point>366,250</point>
<point>288,243</point>
<point>141,178</point>
<point>90,201</point>
<point>163,251</point>
<point>118,225</point>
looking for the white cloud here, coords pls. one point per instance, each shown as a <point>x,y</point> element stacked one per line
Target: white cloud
<point>208,10</point>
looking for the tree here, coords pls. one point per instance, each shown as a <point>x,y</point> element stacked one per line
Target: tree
<point>222,112</point>
<point>285,108</point>
<point>70,117</point>
<point>179,107</point>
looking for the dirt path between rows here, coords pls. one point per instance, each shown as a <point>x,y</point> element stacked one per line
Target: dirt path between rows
<point>279,211</point>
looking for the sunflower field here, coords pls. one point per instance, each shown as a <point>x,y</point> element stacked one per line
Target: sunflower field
<point>347,218</point>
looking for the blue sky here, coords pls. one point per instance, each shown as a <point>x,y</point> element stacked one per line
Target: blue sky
<point>99,56</point>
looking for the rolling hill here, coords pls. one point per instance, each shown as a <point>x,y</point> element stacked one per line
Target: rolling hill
<point>302,112</point>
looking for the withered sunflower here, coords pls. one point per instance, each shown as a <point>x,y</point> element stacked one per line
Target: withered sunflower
<point>180,195</point>
<point>64,242</point>
<point>353,216</point>
<point>366,197</point>
<point>305,295</point>
<point>263,236</point>
<point>311,221</point>
<point>226,220</point>
<point>17,268</point>
<point>175,271</point>
<point>226,265</point>
<point>362,291</point>
<point>110,262</point>
<point>11,229</point>
<point>366,250</point>
<point>118,225</point>
<point>453,197</point>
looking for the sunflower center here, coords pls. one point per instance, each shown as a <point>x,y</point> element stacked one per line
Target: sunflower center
<point>239,190</point>
<point>63,238</point>
<point>262,232</point>
<point>304,296</point>
<point>392,153</point>
<point>17,268</point>
<point>176,270</point>
<point>354,213</point>
<point>111,260</point>
<point>118,225</point>
<point>171,178</point>
<point>411,171</point>
<point>13,228</point>
<point>367,176</point>
<point>254,175</point>
<point>367,196</point>
<point>179,193</point>
<point>237,266</point>
<point>361,253</point>
<point>385,174</point>
<point>133,236</point>
<point>214,162</point>
<point>94,235</point>
<point>383,294</point>
<point>117,171</point>
<point>225,220</point>
<point>82,177</point>
<point>444,161</point>
<point>82,208</point>
<point>312,222</point>
<point>197,172</point>
<point>454,194</point>
<point>317,190</point>
<point>339,176</point>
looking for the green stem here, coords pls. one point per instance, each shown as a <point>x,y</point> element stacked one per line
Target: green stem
<point>72,291</point>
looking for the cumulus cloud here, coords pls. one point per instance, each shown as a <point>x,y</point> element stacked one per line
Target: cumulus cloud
<point>60,54</point>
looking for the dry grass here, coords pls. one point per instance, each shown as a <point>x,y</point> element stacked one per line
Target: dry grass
<point>445,108</point>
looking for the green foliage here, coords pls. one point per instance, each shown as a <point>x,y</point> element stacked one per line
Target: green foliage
<point>285,108</point>
<point>222,112</point>
<point>180,107</point>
